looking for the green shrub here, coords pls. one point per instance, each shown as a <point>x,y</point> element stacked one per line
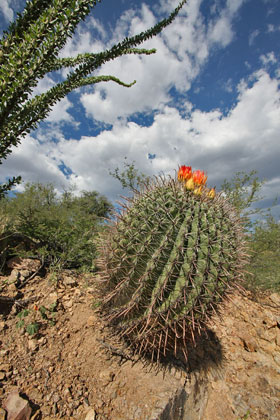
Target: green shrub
<point>264,263</point>
<point>60,230</point>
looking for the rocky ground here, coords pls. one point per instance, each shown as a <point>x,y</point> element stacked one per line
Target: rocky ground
<point>57,354</point>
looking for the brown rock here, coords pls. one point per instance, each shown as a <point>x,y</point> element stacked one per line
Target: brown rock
<point>275,298</point>
<point>69,281</point>
<point>2,414</point>
<point>277,340</point>
<point>91,415</point>
<point>32,345</point>
<point>107,376</point>
<point>3,325</point>
<point>17,407</point>
<point>24,264</point>
<point>24,274</point>
<point>91,321</point>
<point>14,276</point>
<point>250,344</point>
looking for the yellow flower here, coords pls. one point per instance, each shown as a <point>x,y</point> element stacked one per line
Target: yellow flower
<point>190,184</point>
<point>212,193</point>
<point>198,191</point>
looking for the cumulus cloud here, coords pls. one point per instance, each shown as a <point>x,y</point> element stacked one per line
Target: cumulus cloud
<point>7,10</point>
<point>246,138</point>
<point>268,58</point>
<point>33,160</point>
<point>182,49</point>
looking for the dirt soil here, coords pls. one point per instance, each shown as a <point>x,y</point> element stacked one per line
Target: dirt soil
<point>56,352</point>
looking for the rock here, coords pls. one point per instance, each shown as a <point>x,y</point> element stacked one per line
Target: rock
<point>2,414</point>
<point>17,407</point>
<point>3,326</point>
<point>14,276</point>
<point>275,298</point>
<point>24,274</point>
<point>107,376</point>
<point>24,264</point>
<point>32,345</point>
<point>91,415</point>
<point>2,376</point>
<point>6,367</point>
<point>52,298</point>
<point>69,281</point>
<point>68,304</point>
<point>250,344</point>
<point>91,321</point>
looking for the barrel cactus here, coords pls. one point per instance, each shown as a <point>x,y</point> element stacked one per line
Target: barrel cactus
<point>169,259</point>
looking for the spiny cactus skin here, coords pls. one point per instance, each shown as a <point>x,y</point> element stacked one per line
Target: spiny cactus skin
<point>168,261</point>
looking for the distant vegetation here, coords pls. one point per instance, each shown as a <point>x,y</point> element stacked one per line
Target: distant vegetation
<point>60,230</point>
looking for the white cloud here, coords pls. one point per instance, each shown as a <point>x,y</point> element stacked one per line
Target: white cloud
<point>253,35</point>
<point>246,138</point>
<point>268,58</point>
<point>7,10</point>
<point>182,49</point>
<point>272,28</point>
<point>33,161</point>
<point>221,32</point>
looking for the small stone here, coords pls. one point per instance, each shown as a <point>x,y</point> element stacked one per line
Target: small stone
<point>2,414</point>
<point>275,298</point>
<point>90,415</point>
<point>69,281</point>
<point>250,344</point>
<point>3,326</point>
<point>277,340</point>
<point>24,274</point>
<point>6,367</point>
<point>42,341</point>
<point>2,376</point>
<point>56,398</point>
<point>68,304</point>
<point>107,376</point>
<point>13,277</point>
<point>91,321</point>
<point>17,407</point>
<point>32,345</point>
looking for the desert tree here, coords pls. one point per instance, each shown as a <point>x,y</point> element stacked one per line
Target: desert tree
<point>29,50</point>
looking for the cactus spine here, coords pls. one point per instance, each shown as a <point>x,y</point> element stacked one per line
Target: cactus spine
<point>167,262</point>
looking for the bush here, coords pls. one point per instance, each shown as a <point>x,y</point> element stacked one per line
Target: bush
<point>60,230</point>
<point>265,256</point>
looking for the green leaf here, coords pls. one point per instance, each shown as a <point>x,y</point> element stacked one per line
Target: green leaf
<point>32,328</point>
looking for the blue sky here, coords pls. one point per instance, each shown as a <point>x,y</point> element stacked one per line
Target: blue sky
<point>208,98</point>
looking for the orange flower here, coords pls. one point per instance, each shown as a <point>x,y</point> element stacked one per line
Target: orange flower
<point>184,173</point>
<point>212,193</point>
<point>36,308</point>
<point>199,177</point>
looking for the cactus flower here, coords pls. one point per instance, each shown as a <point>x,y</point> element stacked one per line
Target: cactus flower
<point>199,177</point>
<point>212,193</point>
<point>184,173</point>
<point>198,191</point>
<point>190,184</point>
